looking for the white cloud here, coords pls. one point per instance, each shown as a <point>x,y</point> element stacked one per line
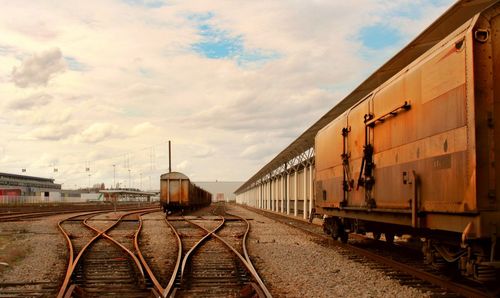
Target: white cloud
<point>51,132</point>
<point>29,102</point>
<point>38,69</point>
<point>182,166</point>
<point>142,128</point>
<point>98,132</point>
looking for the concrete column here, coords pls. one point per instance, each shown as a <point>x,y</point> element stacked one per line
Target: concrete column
<point>273,184</point>
<point>296,194</point>
<point>264,196</point>
<point>264,193</point>
<point>282,192</point>
<point>262,203</point>
<point>276,194</point>
<point>258,197</point>
<point>311,189</point>
<point>287,193</point>
<point>271,195</point>
<point>254,200</point>
<point>267,196</point>
<point>305,193</point>
<point>252,197</point>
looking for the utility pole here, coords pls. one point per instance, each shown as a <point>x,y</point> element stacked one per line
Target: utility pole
<point>114,176</point>
<point>128,178</point>
<point>141,181</point>
<point>169,157</point>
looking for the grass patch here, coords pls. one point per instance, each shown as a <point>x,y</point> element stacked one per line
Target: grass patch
<point>12,251</point>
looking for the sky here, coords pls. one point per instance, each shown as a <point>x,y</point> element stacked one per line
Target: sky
<point>91,91</point>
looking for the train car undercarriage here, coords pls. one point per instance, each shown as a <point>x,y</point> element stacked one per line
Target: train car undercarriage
<point>476,259</point>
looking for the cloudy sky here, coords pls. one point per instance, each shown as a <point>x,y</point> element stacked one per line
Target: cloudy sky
<point>92,84</point>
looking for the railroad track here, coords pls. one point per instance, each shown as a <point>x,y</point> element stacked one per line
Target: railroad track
<point>79,235</point>
<point>407,269</point>
<point>55,210</point>
<point>105,265</point>
<point>213,260</point>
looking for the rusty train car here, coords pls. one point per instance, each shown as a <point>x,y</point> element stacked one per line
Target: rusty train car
<point>417,155</point>
<point>178,193</point>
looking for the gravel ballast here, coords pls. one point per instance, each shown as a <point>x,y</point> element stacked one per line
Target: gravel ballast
<point>159,246</point>
<point>293,265</point>
<point>35,252</point>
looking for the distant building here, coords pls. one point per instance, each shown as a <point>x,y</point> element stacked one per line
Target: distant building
<point>21,185</point>
<point>221,190</point>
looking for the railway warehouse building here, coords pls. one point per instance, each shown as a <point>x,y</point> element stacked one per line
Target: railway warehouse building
<point>30,186</point>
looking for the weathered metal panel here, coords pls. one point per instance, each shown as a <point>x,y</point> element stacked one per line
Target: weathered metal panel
<point>328,163</point>
<point>495,40</point>
<point>163,190</point>
<point>486,47</point>
<point>174,191</point>
<point>432,133</point>
<point>184,193</point>
<point>484,75</point>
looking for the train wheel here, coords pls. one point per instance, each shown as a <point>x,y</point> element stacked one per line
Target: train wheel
<point>326,229</point>
<point>376,235</point>
<point>335,231</point>
<point>338,231</point>
<point>344,236</point>
<point>389,238</point>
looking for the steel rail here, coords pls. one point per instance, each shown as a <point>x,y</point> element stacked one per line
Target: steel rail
<point>20,215</point>
<point>182,260</point>
<point>72,266</point>
<point>247,256</point>
<point>131,254</point>
<point>420,274</point>
<point>69,270</point>
<point>246,261</point>
<point>156,283</point>
<point>62,291</point>
<point>197,244</point>
<point>170,285</point>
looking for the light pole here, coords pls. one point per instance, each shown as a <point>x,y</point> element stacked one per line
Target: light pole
<point>114,176</point>
<point>141,181</point>
<point>128,178</point>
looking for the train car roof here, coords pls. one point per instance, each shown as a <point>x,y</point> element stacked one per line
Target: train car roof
<point>453,18</point>
<point>174,175</point>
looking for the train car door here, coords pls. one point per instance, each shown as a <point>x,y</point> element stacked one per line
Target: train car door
<point>358,139</point>
<point>391,135</point>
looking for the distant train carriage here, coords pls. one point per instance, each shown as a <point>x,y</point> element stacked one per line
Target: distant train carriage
<point>177,193</point>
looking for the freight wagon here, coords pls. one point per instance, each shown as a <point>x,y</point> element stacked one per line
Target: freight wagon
<point>417,155</point>
<point>178,193</point>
